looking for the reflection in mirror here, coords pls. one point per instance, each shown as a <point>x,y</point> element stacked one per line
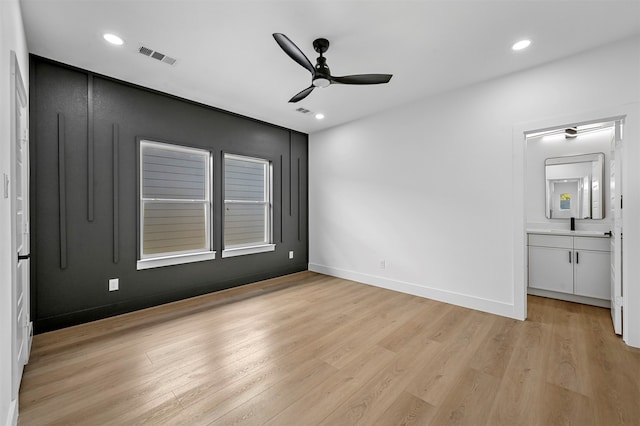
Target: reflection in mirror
<point>574,186</point>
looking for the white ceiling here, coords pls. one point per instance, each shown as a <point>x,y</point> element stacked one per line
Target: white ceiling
<point>228,58</point>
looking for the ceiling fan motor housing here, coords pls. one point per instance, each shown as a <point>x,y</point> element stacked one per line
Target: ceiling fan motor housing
<point>323,73</point>
<point>322,68</point>
<point>320,45</point>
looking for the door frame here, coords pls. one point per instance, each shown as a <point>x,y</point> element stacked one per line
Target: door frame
<point>630,153</point>
<point>18,93</point>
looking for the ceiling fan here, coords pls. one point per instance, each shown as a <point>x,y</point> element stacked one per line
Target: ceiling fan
<point>320,74</point>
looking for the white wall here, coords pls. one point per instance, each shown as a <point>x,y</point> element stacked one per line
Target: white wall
<point>430,187</point>
<point>11,38</point>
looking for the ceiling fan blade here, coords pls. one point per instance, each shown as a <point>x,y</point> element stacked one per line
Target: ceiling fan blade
<point>294,53</point>
<point>300,96</point>
<point>362,79</point>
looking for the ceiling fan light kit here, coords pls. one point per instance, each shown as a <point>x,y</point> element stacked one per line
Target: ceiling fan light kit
<point>321,74</point>
<point>321,82</point>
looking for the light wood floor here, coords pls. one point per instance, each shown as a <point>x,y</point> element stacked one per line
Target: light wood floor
<point>309,349</point>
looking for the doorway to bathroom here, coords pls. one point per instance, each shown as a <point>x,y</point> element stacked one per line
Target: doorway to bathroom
<point>627,294</point>
<point>573,213</point>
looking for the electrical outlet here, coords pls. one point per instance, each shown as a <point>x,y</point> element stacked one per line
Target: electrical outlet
<point>383,264</point>
<point>291,254</point>
<point>114,284</point>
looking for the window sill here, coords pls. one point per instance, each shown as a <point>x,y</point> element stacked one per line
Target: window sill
<point>158,262</point>
<point>241,251</point>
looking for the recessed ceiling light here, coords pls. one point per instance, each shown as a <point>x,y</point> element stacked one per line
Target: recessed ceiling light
<point>113,39</point>
<point>319,116</point>
<point>522,44</point>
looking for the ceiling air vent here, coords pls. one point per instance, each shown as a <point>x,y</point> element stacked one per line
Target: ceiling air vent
<point>168,60</point>
<point>303,110</point>
<point>145,51</point>
<point>156,55</point>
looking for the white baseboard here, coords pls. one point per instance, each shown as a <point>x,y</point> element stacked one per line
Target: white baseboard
<point>12,415</point>
<point>464,300</point>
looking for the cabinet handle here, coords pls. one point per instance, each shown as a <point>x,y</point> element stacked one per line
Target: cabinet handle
<point>577,257</point>
<point>569,257</point>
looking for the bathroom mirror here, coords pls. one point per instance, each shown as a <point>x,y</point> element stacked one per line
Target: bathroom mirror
<point>574,186</point>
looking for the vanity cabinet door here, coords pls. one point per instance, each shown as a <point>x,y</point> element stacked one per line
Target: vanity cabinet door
<point>551,269</point>
<point>593,274</point>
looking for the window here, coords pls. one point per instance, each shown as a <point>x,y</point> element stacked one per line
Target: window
<point>247,206</point>
<point>175,205</point>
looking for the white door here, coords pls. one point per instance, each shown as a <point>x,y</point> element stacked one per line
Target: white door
<point>615,172</point>
<point>19,189</point>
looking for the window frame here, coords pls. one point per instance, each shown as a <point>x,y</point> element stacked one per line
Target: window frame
<point>176,257</point>
<point>250,248</point>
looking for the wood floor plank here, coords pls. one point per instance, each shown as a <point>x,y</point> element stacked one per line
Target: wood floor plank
<point>568,364</point>
<point>269,403</point>
<point>407,410</point>
<point>439,374</point>
<point>467,404</point>
<point>609,361</point>
<point>422,323</point>
<point>519,399</point>
<point>565,407</point>
<point>372,330</point>
<point>309,349</point>
<point>494,354</point>
<point>320,401</point>
<point>376,395</point>
<point>212,406</point>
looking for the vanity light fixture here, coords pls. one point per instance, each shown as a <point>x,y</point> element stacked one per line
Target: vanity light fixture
<point>571,133</point>
<point>594,126</point>
<point>113,39</point>
<point>522,44</point>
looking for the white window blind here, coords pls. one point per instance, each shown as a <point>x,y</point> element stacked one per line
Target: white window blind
<point>175,200</point>
<point>247,202</point>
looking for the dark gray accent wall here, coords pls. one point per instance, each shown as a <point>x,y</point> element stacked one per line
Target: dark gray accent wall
<point>85,130</point>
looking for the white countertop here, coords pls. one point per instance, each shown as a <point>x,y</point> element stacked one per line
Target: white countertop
<point>599,234</point>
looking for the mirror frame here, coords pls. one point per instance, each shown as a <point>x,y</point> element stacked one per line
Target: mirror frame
<point>596,195</point>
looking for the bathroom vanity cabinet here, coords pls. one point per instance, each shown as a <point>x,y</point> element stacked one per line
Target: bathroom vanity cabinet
<point>570,267</point>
